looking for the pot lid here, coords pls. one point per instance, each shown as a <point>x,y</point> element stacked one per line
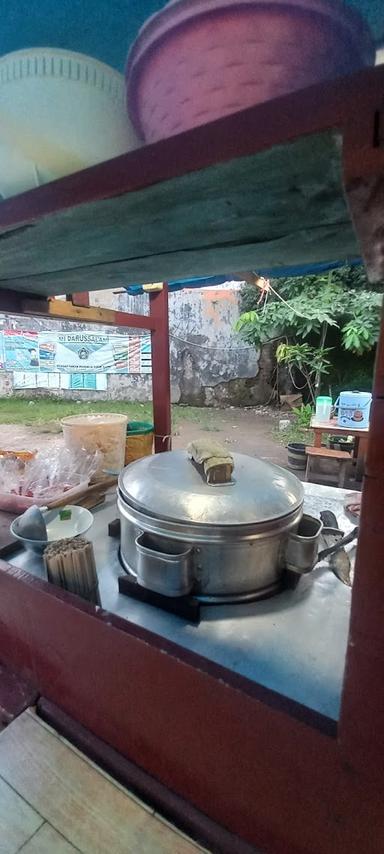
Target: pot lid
<point>168,486</point>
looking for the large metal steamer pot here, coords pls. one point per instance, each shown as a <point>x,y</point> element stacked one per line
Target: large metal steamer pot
<point>223,543</point>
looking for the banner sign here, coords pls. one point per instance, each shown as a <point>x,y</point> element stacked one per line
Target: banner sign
<point>83,352</point>
<point>21,350</point>
<point>75,353</point>
<point>86,352</point>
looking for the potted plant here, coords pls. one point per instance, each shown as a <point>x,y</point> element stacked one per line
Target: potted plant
<point>341,443</point>
<point>297,455</point>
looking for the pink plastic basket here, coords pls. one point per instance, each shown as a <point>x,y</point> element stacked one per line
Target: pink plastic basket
<point>197,61</point>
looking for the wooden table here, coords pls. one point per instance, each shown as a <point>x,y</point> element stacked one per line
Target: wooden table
<point>332,427</point>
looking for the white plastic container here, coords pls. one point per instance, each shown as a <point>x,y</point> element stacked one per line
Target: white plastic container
<point>323,409</point>
<point>59,112</point>
<point>104,432</point>
<point>354,409</point>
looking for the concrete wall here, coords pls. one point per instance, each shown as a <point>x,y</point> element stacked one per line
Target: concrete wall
<point>210,364</point>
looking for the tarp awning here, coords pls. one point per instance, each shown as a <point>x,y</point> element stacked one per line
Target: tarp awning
<point>268,272</point>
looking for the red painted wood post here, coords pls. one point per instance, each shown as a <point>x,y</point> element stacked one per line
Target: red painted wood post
<point>362,721</point>
<point>161,381</point>
<point>81,299</point>
<point>361,731</point>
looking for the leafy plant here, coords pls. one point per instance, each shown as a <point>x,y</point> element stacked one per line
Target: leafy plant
<point>305,311</point>
<point>294,433</point>
<point>312,362</point>
<point>303,415</point>
<point>361,332</point>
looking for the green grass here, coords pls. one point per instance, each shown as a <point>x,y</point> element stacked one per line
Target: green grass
<point>293,433</point>
<point>17,410</point>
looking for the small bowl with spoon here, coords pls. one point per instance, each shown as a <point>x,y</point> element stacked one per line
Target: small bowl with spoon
<point>38,527</point>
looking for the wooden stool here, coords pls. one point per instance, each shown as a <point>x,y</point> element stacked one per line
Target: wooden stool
<point>343,458</point>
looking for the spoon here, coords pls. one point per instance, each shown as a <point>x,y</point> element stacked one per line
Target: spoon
<point>31,524</point>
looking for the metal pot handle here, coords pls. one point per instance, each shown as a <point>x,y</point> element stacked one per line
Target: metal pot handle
<point>302,548</point>
<point>161,570</point>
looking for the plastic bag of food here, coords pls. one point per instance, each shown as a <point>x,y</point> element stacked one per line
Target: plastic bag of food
<point>44,478</point>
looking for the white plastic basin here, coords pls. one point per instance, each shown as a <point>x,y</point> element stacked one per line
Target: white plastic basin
<point>77,525</point>
<point>59,112</point>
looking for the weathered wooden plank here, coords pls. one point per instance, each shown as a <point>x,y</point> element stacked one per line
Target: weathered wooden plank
<point>276,207</point>
<point>321,245</point>
<point>87,314</point>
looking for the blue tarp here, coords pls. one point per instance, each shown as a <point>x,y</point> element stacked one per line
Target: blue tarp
<point>272,273</point>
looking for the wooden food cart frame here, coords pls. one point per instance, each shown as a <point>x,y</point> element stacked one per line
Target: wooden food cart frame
<point>237,762</point>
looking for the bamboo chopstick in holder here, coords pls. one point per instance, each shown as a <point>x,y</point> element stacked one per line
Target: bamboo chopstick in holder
<point>70,564</point>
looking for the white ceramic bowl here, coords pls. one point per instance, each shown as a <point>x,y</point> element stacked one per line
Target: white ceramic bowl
<point>58,529</point>
<point>59,112</point>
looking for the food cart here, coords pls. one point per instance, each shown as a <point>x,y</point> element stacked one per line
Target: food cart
<point>239,763</point>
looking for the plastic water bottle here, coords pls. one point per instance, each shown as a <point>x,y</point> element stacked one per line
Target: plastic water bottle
<point>323,409</point>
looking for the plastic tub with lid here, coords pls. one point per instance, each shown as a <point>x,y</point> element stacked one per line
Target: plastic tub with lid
<point>104,433</point>
<point>197,60</point>
<point>59,112</point>
<point>354,409</point>
<point>139,442</point>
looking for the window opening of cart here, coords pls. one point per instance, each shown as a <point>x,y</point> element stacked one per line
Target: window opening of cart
<point>231,545</point>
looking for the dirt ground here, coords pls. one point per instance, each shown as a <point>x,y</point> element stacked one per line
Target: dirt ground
<point>244,431</point>
<point>248,431</point>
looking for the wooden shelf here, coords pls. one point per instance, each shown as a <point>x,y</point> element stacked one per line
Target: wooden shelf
<point>264,187</point>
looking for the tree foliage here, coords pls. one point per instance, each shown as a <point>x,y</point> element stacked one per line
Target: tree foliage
<point>340,299</point>
<point>312,362</point>
<point>301,312</point>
